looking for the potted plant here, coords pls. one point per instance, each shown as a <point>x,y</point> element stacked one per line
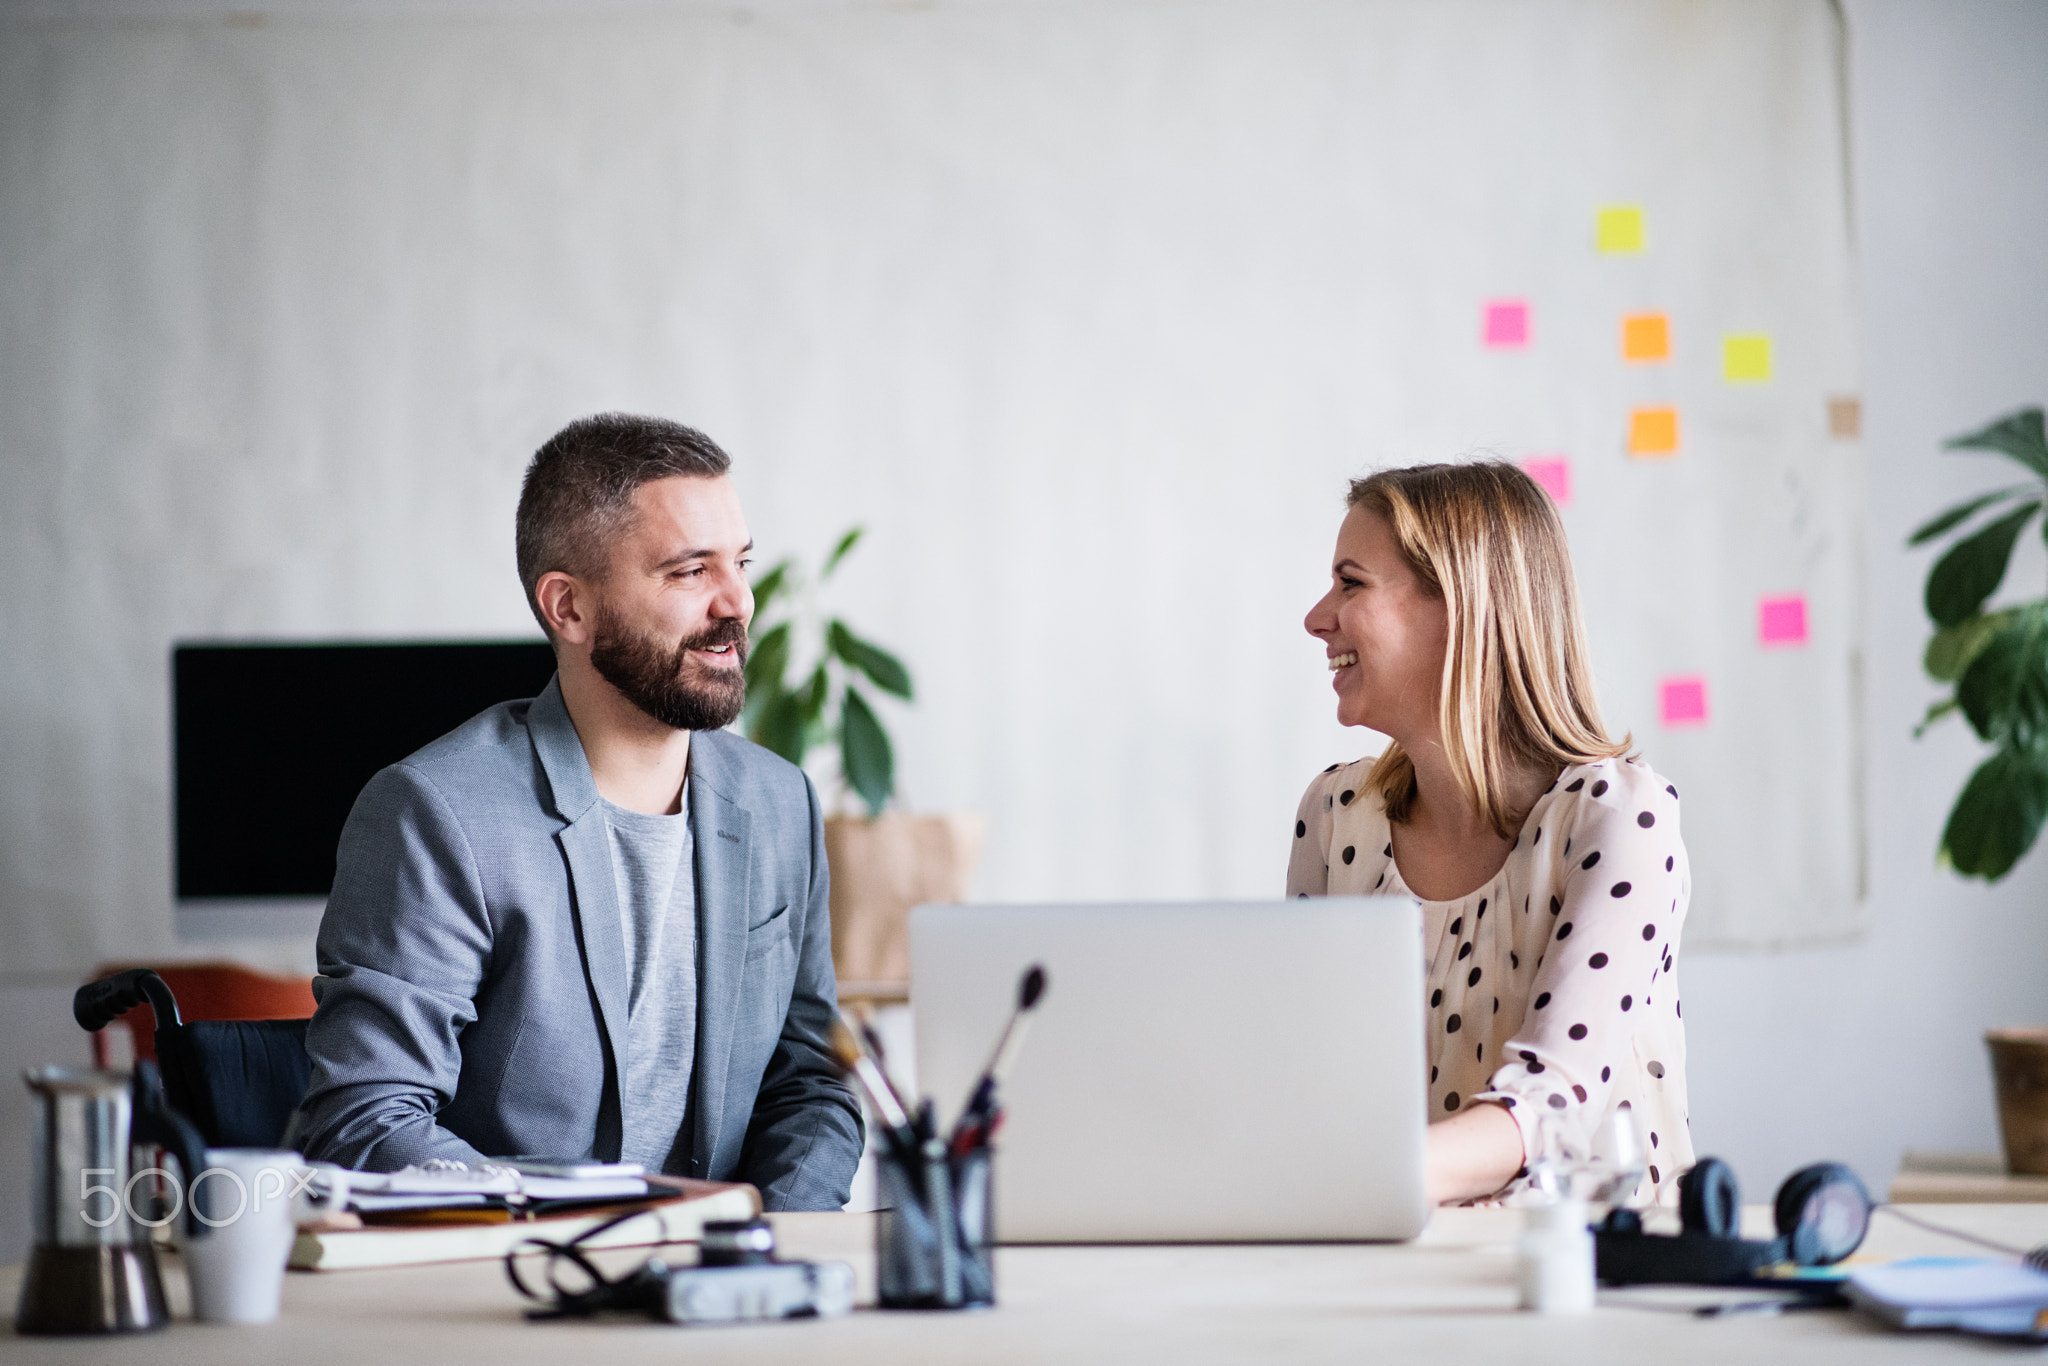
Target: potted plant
<point>806,676</point>
<point>1997,665</point>
<point>825,703</point>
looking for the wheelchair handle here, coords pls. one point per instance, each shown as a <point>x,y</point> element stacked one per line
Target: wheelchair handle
<point>96,1004</point>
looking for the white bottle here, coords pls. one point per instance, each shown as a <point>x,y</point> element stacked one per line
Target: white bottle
<point>1554,1261</point>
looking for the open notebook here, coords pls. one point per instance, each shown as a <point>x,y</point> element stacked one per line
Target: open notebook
<point>678,1216</point>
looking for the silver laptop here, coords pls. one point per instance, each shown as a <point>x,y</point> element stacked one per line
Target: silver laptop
<point>1195,1073</point>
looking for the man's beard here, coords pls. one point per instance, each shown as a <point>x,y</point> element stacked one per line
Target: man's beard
<point>665,682</point>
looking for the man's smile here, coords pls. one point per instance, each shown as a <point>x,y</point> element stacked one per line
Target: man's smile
<point>720,656</point>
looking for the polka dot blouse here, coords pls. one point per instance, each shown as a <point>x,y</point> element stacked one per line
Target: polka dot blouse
<point>1552,989</point>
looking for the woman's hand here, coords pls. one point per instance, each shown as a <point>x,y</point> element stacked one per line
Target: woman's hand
<point>1474,1153</point>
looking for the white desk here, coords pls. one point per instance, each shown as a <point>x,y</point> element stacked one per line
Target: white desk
<point>1927,1178</point>
<point>1448,1296</point>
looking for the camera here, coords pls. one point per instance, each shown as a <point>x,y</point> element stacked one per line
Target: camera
<point>767,1290</point>
<point>736,1280</point>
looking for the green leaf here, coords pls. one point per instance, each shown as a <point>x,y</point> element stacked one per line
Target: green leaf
<point>1953,647</point>
<point>1935,713</point>
<point>780,727</point>
<point>768,660</point>
<point>1960,513</point>
<point>846,543</point>
<point>812,697</point>
<point>2004,692</point>
<point>878,664</point>
<point>1971,570</point>
<point>770,584</point>
<point>2018,435</point>
<point>1999,815</point>
<point>864,754</point>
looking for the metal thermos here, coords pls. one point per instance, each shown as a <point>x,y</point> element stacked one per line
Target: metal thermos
<point>93,1269</point>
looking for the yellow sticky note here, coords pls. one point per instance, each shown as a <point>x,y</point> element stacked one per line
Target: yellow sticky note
<point>1645,336</point>
<point>1746,358</point>
<point>1620,228</point>
<point>1653,431</point>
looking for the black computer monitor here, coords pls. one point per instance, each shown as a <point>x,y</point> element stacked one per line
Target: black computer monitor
<point>271,743</point>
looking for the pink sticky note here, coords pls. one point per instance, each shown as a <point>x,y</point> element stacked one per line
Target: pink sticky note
<point>1782,621</point>
<point>1682,701</point>
<point>1507,323</point>
<point>1554,472</point>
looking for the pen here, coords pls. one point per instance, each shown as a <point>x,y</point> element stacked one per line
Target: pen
<point>1730,1308</point>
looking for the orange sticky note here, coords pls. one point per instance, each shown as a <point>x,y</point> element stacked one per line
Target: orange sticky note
<point>1653,431</point>
<point>1645,336</point>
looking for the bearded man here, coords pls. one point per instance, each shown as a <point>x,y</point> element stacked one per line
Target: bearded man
<point>593,923</point>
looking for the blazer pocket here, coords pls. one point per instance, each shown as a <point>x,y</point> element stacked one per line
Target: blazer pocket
<point>770,932</point>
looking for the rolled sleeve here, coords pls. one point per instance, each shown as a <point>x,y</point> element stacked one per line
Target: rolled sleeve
<point>1616,925</point>
<point>404,947</point>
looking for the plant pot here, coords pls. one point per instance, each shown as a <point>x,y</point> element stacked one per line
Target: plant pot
<point>882,867</point>
<point>2019,1062</point>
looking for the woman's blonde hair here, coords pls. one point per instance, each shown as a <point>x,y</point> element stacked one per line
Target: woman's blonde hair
<point>1516,688</point>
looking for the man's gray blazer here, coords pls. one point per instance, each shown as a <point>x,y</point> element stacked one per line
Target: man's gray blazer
<point>472,996</point>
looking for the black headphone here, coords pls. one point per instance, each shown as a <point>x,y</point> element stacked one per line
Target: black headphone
<point>1822,1213</point>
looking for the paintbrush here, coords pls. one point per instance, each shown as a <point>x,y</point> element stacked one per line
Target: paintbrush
<point>977,1122</point>
<point>873,1040</point>
<point>895,1122</point>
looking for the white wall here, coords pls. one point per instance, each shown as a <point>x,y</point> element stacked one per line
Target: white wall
<point>1087,308</point>
<point>1854,1052</point>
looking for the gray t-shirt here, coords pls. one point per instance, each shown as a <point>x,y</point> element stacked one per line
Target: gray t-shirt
<point>658,905</point>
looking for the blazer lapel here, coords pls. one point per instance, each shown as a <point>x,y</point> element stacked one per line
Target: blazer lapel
<point>720,829</point>
<point>594,892</point>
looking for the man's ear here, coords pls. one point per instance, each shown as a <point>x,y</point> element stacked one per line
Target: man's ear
<point>569,604</point>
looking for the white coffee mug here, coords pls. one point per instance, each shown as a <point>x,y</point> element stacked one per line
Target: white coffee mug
<point>251,1201</point>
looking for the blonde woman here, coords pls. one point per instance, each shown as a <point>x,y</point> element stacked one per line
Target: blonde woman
<point>1546,857</point>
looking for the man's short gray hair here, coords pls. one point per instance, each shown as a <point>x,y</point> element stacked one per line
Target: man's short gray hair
<point>579,488</point>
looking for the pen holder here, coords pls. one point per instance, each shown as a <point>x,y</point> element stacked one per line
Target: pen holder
<point>935,1242</point>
